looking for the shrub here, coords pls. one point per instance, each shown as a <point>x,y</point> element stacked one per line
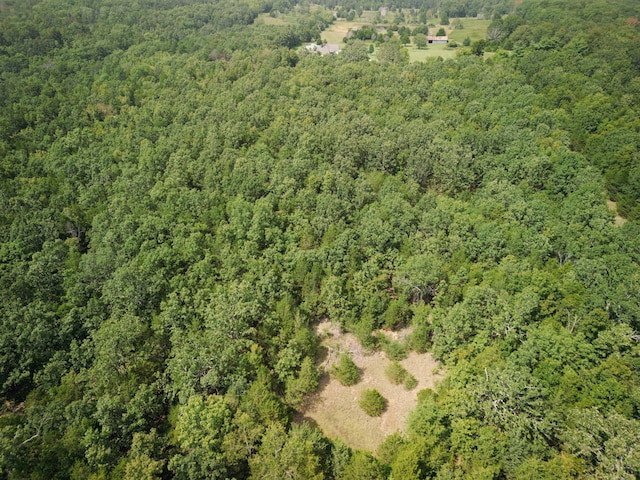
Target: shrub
<point>396,373</point>
<point>410,382</point>
<point>372,403</point>
<point>426,395</point>
<point>395,350</point>
<point>398,313</point>
<point>420,339</point>
<point>346,371</point>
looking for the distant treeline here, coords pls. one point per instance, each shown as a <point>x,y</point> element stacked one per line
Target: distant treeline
<point>453,8</point>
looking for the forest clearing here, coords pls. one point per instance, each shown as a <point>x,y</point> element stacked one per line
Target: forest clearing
<point>334,408</point>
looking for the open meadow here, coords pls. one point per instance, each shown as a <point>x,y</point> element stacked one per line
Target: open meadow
<point>421,54</point>
<point>473,28</point>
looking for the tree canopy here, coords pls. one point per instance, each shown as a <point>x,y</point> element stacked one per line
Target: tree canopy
<point>185,193</point>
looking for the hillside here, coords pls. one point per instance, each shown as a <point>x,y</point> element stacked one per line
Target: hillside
<point>186,194</point>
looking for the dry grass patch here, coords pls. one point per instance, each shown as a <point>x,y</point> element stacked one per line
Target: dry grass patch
<point>335,408</point>
<point>338,30</point>
<point>617,220</point>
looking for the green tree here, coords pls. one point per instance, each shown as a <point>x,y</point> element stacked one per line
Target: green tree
<point>420,40</point>
<point>142,461</point>
<point>392,52</point>
<point>411,461</point>
<point>364,466</point>
<point>355,51</point>
<point>346,371</point>
<point>372,403</point>
<point>199,428</point>
<point>306,382</point>
<point>300,454</point>
<point>477,47</point>
<point>605,443</point>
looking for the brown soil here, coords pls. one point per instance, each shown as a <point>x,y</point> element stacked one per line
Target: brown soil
<point>335,407</point>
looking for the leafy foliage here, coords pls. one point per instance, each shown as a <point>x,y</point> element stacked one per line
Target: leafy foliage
<point>346,371</point>
<point>397,374</point>
<point>372,403</point>
<point>183,195</point>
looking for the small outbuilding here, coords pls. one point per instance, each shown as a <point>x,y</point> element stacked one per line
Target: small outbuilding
<point>435,39</point>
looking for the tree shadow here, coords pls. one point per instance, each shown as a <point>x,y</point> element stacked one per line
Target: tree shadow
<point>302,419</point>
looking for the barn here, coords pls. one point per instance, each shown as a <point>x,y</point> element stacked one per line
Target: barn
<point>434,39</point>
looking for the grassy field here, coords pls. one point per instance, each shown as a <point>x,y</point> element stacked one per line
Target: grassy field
<point>432,51</point>
<point>474,29</point>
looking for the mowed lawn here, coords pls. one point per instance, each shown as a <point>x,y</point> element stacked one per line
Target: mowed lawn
<point>473,28</point>
<point>420,55</point>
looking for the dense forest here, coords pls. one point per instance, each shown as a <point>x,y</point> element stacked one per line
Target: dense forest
<point>185,193</point>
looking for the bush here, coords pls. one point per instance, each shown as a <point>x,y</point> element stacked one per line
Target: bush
<point>394,350</point>
<point>410,382</point>
<point>398,313</point>
<point>363,331</point>
<point>396,373</point>
<point>426,395</point>
<point>420,339</point>
<point>373,403</point>
<point>346,371</point>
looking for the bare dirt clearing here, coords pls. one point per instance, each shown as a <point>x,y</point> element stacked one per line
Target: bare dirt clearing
<point>618,220</point>
<point>335,407</point>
